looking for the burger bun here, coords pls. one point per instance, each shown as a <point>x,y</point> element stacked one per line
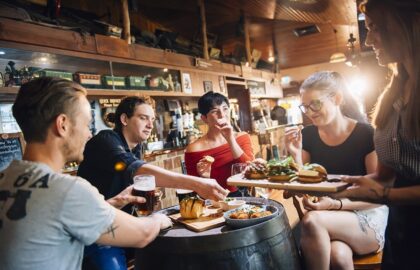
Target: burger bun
<point>305,179</point>
<point>253,175</point>
<point>281,177</point>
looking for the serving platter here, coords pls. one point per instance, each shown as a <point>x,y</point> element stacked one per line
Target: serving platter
<point>333,184</point>
<point>211,218</point>
<point>241,223</point>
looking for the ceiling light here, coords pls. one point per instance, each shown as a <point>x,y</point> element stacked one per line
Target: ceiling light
<point>165,70</point>
<point>2,52</point>
<point>307,30</point>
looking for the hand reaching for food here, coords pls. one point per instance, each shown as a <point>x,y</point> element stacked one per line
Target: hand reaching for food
<point>165,222</point>
<point>293,140</point>
<point>204,166</point>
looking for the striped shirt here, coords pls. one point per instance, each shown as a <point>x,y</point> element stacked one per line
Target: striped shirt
<point>395,149</point>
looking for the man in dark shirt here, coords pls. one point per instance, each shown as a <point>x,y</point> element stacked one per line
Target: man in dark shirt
<point>112,159</point>
<point>109,164</point>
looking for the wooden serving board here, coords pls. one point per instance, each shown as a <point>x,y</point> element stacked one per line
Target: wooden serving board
<point>322,187</point>
<point>211,218</point>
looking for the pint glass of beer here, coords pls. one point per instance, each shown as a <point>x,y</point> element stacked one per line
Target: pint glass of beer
<point>144,186</point>
<point>184,193</point>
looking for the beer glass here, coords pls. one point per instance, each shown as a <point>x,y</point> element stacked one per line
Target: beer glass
<point>144,186</point>
<point>184,193</point>
<point>239,168</point>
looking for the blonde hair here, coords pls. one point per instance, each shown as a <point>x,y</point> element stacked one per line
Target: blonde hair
<point>333,82</point>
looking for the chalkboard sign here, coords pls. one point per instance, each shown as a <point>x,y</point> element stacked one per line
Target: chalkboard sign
<point>10,148</point>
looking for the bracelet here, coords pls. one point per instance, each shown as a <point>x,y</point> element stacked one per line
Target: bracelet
<point>341,204</point>
<point>385,194</point>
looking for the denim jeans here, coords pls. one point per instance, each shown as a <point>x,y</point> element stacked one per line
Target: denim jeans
<point>106,257</point>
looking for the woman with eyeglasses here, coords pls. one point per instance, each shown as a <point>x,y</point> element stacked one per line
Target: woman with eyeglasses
<point>341,140</point>
<point>221,142</point>
<point>394,34</point>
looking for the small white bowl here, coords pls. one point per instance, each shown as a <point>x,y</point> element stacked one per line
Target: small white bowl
<point>215,204</point>
<point>235,204</point>
<point>224,205</point>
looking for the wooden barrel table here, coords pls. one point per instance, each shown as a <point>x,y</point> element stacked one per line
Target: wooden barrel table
<point>268,245</point>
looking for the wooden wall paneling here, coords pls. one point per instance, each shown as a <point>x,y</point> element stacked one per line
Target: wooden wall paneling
<point>11,30</point>
<point>196,82</point>
<point>295,51</point>
<point>60,42</point>
<point>143,53</point>
<point>112,46</point>
<point>214,79</point>
<point>100,50</point>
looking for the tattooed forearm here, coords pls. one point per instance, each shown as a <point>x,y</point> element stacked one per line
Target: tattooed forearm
<point>112,230</point>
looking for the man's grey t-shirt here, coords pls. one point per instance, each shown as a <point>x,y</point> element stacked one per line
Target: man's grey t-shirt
<point>47,218</point>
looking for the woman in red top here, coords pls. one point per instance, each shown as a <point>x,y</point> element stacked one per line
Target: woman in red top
<point>221,142</point>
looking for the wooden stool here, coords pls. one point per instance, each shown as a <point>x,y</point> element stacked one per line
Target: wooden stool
<point>131,264</point>
<point>369,261</point>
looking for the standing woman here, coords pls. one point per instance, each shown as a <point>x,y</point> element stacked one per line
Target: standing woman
<point>394,33</point>
<point>341,141</point>
<point>220,142</point>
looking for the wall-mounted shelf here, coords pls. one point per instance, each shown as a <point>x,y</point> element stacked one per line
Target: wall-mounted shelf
<point>12,91</point>
<point>72,52</point>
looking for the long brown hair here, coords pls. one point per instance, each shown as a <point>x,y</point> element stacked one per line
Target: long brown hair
<point>406,14</point>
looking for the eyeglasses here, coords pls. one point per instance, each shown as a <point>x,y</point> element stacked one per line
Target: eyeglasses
<point>315,105</point>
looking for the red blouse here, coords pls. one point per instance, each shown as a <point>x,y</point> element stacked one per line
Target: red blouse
<point>223,160</point>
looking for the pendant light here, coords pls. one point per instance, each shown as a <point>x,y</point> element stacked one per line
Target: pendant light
<point>337,57</point>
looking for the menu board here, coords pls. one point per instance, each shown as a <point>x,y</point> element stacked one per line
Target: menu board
<point>10,149</point>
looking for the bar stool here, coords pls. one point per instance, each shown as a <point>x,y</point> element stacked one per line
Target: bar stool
<point>369,261</point>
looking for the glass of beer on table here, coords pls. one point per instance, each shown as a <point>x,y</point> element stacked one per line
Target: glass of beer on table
<point>144,186</point>
<point>184,193</point>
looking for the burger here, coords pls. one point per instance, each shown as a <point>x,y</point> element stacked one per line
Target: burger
<point>256,169</point>
<point>282,170</point>
<point>312,173</point>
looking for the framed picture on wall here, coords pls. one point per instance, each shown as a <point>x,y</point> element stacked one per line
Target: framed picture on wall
<point>186,83</point>
<point>222,84</point>
<point>208,86</point>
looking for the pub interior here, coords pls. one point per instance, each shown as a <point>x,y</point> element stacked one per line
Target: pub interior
<point>259,65</point>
